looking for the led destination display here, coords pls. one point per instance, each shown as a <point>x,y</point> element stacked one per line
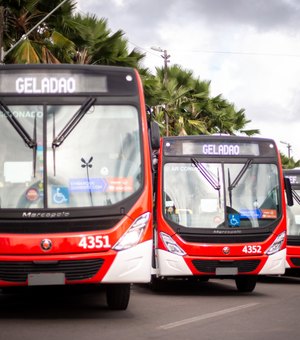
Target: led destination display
<point>67,81</point>
<point>293,176</point>
<point>211,147</point>
<point>54,83</point>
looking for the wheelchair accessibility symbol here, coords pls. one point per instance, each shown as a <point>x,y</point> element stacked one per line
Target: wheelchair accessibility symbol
<point>60,195</point>
<point>234,220</point>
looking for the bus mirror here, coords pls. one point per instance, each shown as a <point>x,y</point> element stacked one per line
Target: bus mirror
<point>154,134</point>
<point>288,191</point>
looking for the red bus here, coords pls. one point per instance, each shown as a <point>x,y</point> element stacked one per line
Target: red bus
<point>220,209</point>
<point>75,178</point>
<point>293,226</point>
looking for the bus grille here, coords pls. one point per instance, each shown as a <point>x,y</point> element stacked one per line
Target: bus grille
<point>73,269</point>
<point>68,225</point>
<point>229,239</point>
<point>209,266</point>
<point>293,241</point>
<point>295,261</point>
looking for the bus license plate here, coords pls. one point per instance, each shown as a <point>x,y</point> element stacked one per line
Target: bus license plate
<point>226,271</point>
<point>43,279</point>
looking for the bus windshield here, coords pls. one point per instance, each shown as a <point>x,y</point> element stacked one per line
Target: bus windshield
<point>95,161</point>
<point>293,214</point>
<point>221,195</point>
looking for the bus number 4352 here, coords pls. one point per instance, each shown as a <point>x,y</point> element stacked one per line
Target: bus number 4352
<point>252,250</point>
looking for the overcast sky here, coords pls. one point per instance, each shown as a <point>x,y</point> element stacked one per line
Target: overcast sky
<point>248,49</point>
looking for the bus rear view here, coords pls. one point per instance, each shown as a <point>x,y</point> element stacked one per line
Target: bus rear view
<point>220,209</point>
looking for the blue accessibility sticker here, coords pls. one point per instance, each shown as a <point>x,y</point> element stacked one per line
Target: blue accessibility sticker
<point>234,220</point>
<point>60,195</point>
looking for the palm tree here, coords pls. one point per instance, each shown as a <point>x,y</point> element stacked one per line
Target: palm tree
<point>63,37</point>
<point>96,44</point>
<point>289,162</point>
<point>42,44</point>
<point>183,106</point>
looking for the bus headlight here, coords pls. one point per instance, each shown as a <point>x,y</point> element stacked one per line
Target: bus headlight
<point>133,234</point>
<point>276,245</point>
<point>171,245</point>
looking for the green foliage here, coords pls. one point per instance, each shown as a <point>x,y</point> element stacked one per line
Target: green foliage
<point>188,108</point>
<point>63,37</point>
<point>289,163</point>
<point>45,44</point>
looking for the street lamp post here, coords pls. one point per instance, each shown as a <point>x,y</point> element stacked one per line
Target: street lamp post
<point>166,58</point>
<point>289,147</point>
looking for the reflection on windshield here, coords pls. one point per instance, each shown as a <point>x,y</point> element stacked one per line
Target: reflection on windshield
<point>99,164</point>
<point>202,195</point>
<point>30,142</point>
<point>18,126</point>
<point>69,127</point>
<point>21,159</point>
<point>293,215</point>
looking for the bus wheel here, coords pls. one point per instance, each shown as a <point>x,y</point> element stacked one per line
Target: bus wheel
<point>117,296</point>
<point>245,284</point>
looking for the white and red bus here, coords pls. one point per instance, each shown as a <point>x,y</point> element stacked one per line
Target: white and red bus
<point>220,209</point>
<point>75,178</point>
<point>293,226</point>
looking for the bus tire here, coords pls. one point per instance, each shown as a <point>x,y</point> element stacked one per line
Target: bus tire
<point>245,283</point>
<point>117,296</point>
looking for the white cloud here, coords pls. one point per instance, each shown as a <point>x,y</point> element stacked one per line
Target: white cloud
<point>250,50</point>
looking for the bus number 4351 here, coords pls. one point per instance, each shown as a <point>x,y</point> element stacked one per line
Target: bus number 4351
<point>91,242</point>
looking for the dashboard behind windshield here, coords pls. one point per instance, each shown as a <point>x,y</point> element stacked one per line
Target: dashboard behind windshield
<point>98,163</point>
<point>221,195</point>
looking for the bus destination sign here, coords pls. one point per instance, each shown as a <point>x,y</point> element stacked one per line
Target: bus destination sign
<point>217,148</point>
<point>51,83</point>
<point>221,149</point>
<point>293,177</point>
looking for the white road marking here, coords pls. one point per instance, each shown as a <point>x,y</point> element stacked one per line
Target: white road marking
<point>206,316</point>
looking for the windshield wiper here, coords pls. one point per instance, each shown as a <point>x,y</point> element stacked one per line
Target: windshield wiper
<point>64,133</point>
<point>72,123</point>
<point>229,188</point>
<point>296,196</point>
<point>206,174</point>
<point>17,126</point>
<point>30,142</point>
<point>210,179</point>
<point>240,174</point>
<point>232,185</point>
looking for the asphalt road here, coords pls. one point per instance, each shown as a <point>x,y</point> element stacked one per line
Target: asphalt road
<point>209,310</point>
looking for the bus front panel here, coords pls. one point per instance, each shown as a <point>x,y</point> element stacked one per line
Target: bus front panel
<point>220,211</point>
<point>75,176</point>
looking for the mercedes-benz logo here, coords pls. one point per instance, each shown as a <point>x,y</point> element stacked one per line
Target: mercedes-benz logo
<point>46,244</point>
<point>226,250</point>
